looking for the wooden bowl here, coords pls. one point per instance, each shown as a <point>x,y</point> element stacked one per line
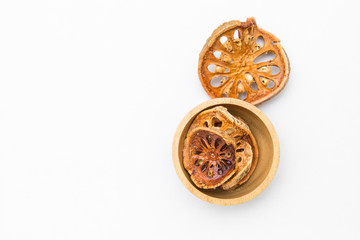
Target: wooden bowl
<point>268,144</point>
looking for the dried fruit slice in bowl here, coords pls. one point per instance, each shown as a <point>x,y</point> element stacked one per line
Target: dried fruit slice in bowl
<point>209,157</point>
<point>255,152</point>
<point>220,120</point>
<point>240,60</point>
<point>246,153</point>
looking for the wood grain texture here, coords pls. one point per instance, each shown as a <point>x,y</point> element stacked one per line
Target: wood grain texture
<point>268,144</point>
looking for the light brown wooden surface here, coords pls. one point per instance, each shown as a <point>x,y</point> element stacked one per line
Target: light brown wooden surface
<point>268,144</point>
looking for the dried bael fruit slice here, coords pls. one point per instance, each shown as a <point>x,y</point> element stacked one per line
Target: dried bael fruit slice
<point>251,140</point>
<point>243,61</point>
<point>209,157</point>
<point>244,157</point>
<point>220,120</point>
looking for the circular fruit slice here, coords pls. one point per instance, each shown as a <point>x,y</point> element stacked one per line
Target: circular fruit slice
<point>243,61</point>
<point>244,157</point>
<point>209,158</point>
<point>251,140</point>
<point>220,120</point>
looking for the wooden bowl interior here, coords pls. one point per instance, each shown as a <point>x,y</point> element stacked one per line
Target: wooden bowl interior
<point>266,153</point>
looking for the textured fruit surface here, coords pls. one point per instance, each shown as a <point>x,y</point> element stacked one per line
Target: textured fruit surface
<point>243,61</point>
<point>209,158</point>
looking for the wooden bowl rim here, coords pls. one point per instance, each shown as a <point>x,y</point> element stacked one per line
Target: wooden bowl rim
<point>268,125</point>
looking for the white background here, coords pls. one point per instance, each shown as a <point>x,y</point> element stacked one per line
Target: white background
<point>91,93</point>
